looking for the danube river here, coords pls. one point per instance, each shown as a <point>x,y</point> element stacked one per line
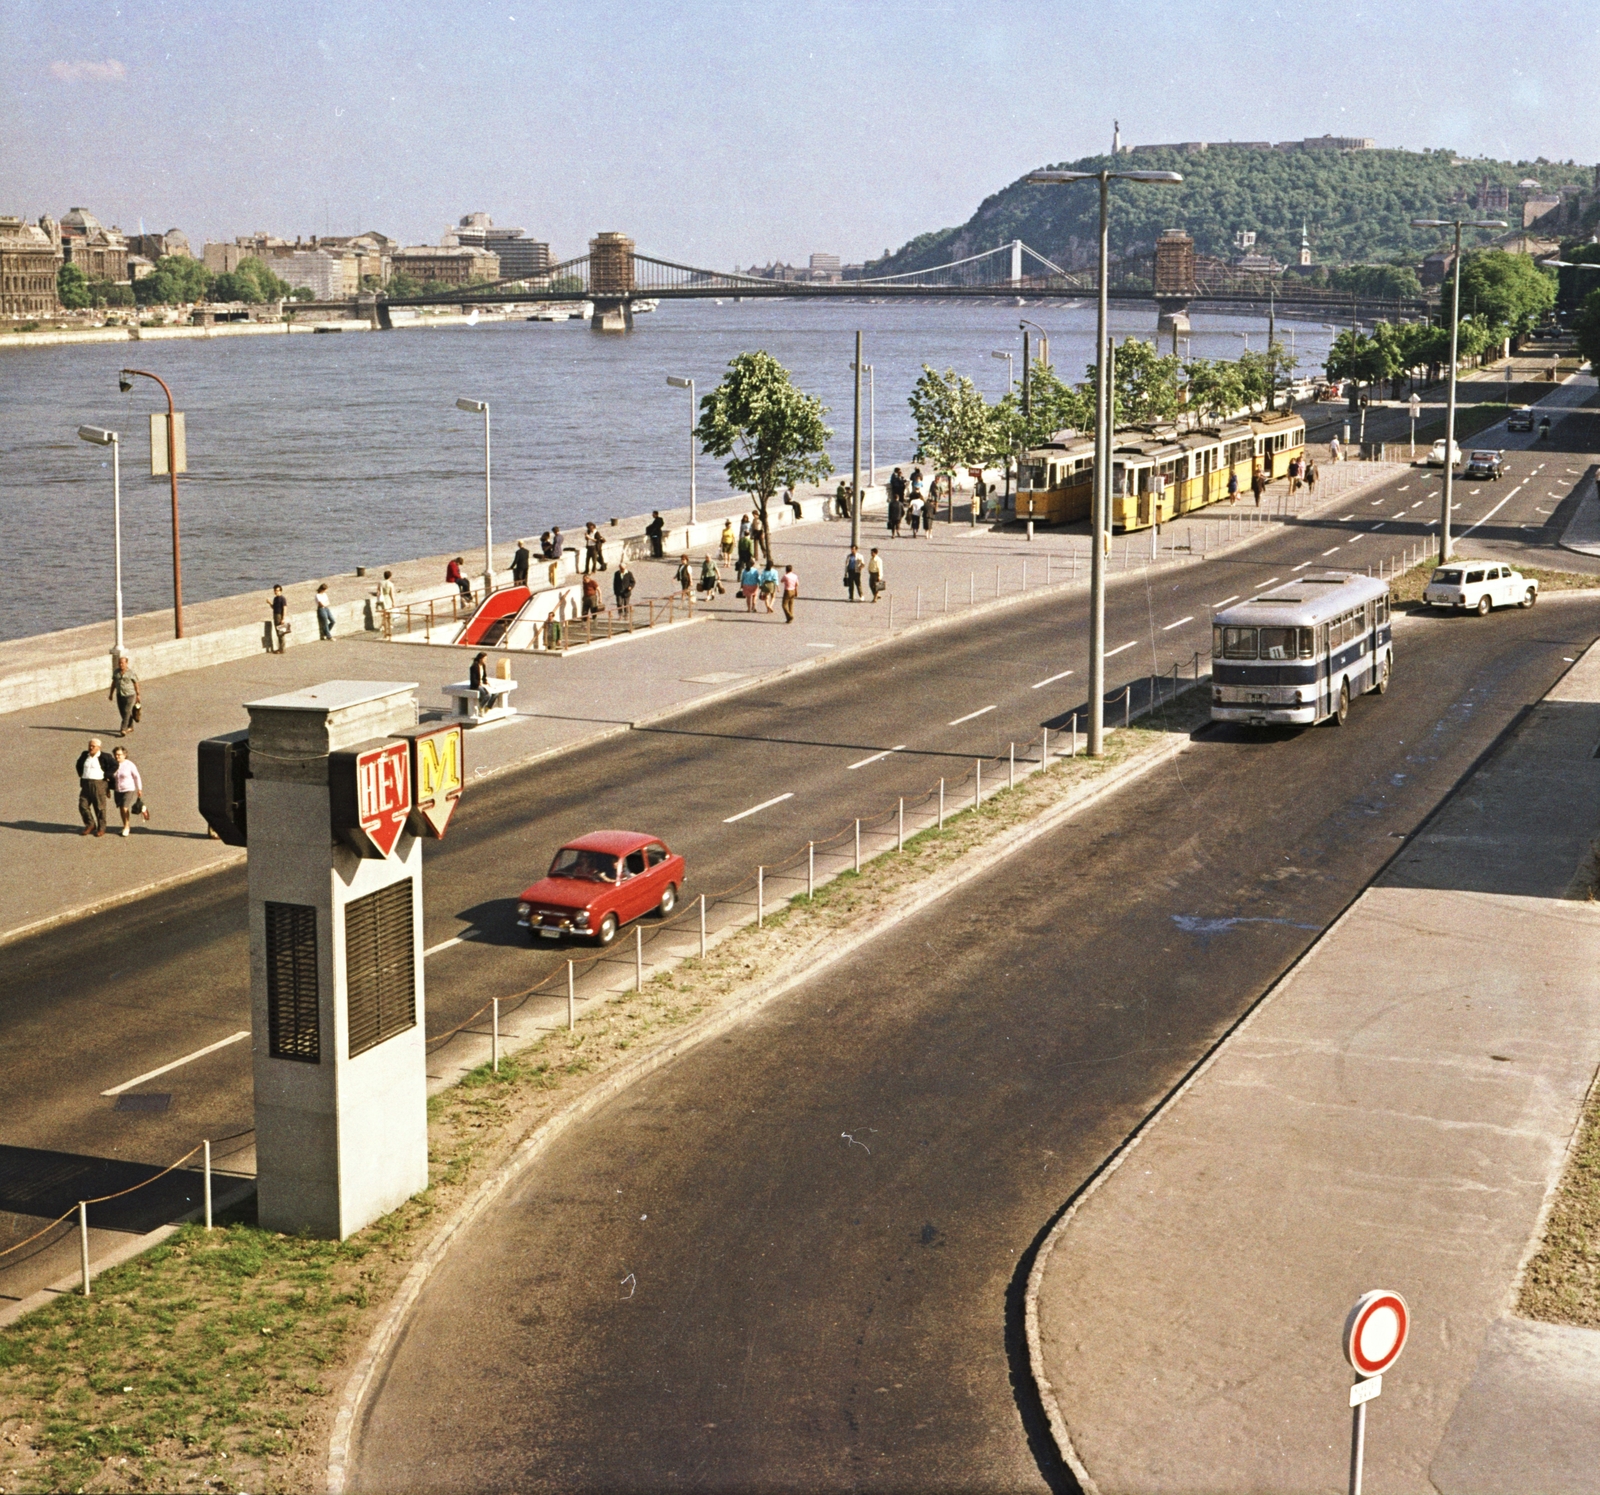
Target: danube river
<point>310,456</point>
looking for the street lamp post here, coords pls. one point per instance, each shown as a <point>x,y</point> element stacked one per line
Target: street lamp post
<point>1102,440</point>
<point>855,457</point>
<point>688,384</point>
<point>98,437</point>
<point>125,383</point>
<point>481,407</point>
<point>1450,400</point>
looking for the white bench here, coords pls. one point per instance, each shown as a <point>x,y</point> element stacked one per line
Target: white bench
<point>470,712</point>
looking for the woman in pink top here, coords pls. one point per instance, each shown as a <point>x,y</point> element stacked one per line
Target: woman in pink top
<point>129,789</point>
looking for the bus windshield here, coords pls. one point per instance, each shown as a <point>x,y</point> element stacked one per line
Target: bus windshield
<point>1262,643</point>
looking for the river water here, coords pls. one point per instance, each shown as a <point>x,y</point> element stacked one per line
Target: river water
<point>309,456</point>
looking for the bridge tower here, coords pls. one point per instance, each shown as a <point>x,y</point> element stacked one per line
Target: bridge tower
<point>1174,282</point>
<point>1016,262</point>
<point>611,282</point>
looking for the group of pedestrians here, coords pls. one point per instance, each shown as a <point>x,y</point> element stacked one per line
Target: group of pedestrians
<point>907,506</point>
<point>855,568</point>
<point>106,778</point>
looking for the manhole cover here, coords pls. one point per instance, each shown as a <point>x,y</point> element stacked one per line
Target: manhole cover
<point>143,1101</point>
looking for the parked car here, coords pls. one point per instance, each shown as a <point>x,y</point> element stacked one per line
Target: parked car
<point>600,882</point>
<point>1483,463</point>
<point>1479,586</point>
<point>1520,419</point>
<point>1436,455</point>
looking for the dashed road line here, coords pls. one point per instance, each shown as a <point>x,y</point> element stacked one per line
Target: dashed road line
<point>1179,624</point>
<point>1302,566</point>
<point>210,1048</point>
<point>1225,601</point>
<point>970,716</point>
<point>1051,681</point>
<point>1327,553</point>
<point>1120,648</point>
<point>767,804</point>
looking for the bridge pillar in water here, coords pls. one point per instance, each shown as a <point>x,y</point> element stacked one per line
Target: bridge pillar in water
<point>611,282</point>
<point>1173,319</point>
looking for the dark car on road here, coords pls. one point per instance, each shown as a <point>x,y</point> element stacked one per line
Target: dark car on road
<point>600,882</point>
<point>1520,420</point>
<point>1483,464</point>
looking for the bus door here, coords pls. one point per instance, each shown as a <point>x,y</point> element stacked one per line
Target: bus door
<point>1324,672</point>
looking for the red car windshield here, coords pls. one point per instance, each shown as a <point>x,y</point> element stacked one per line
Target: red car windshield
<point>586,866</point>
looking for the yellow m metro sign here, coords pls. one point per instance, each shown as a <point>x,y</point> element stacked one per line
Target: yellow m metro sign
<point>438,772</point>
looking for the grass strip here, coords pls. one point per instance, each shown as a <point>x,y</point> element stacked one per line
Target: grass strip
<point>1561,1284</point>
<point>214,1362</point>
<point>1408,585</point>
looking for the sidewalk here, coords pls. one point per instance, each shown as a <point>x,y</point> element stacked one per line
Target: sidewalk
<point>1394,1114</point>
<point>563,702</point>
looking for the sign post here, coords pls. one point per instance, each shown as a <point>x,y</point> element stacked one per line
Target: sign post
<point>1416,410</point>
<point>1374,1334</point>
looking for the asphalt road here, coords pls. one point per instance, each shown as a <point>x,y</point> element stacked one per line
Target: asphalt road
<point>92,1005</point>
<point>793,1258</point>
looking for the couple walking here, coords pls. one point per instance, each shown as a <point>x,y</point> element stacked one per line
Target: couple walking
<point>102,775</point>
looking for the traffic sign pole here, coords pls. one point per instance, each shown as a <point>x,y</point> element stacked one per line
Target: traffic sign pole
<point>1374,1334</point>
<point>1416,410</point>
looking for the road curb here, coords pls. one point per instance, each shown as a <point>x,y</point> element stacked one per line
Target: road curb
<point>369,1368</point>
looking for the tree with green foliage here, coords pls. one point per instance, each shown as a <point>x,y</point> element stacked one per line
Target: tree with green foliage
<point>1144,385</point>
<point>1376,282</point>
<point>177,280</point>
<point>1587,325</point>
<point>1510,289</point>
<point>771,433</point>
<point>955,426</point>
<point>401,284</point>
<point>1053,406</point>
<point>72,287</point>
<point>1213,389</point>
<point>250,282</point>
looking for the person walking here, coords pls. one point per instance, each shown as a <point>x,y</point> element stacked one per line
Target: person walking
<point>897,485</point>
<point>95,769</point>
<point>657,532</point>
<point>280,620</point>
<point>1258,485</point>
<point>1309,477</point>
<point>852,575</point>
<point>791,591</point>
<point>128,788</point>
<point>747,550</point>
<point>386,596</point>
<point>842,496</point>
<point>1233,486</point>
<point>685,578</point>
<point>521,559</point>
<point>749,586</point>
<point>916,512</point>
<point>591,596</point>
<point>1294,476</point>
<point>622,585</point>
<point>725,543</point>
<point>980,491</point>
<point>896,514</point>
<point>125,692</point>
<point>875,574</point>
<point>710,578</point>
<point>769,584</point>
<point>1333,448</point>
<point>478,679</point>
<point>324,613</point>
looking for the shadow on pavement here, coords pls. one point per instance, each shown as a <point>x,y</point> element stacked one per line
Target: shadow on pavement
<point>42,1185</point>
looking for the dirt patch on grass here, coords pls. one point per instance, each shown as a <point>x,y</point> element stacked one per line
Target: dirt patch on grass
<point>215,1362</point>
<point>1561,1284</point>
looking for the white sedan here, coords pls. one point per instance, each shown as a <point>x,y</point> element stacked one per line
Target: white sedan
<point>1479,586</point>
<point>1435,456</point>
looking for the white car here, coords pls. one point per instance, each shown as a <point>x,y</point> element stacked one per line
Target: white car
<point>1479,586</point>
<point>1436,455</point>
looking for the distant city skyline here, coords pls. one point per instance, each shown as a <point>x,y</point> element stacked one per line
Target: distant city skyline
<point>710,136</point>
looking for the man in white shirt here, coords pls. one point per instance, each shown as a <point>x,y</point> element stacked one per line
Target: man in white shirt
<point>94,769</point>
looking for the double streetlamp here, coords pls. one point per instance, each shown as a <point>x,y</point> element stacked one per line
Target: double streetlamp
<point>688,384</point>
<point>481,407</point>
<point>125,380</point>
<point>1450,402</point>
<point>1102,439</point>
<point>98,437</point>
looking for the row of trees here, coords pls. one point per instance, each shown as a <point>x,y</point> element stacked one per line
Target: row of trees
<point>177,280</point>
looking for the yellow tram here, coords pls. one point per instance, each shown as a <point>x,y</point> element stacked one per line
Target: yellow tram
<point>1157,473</point>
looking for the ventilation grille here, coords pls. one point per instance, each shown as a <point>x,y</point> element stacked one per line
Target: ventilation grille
<point>379,971</point>
<point>293,1026</point>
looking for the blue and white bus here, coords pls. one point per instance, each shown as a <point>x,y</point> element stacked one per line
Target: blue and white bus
<point>1295,655</point>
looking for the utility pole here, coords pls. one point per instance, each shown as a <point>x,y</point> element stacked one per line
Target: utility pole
<point>855,457</point>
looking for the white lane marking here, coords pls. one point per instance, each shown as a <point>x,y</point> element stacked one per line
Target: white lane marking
<point>767,804</point>
<point>1490,515</point>
<point>1120,648</point>
<point>1375,528</point>
<point>442,945</point>
<point>1352,540</point>
<point>1334,551</point>
<point>1347,518</point>
<point>970,716</point>
<point>1051,681</point>
<point>1269,581</point>
<point>1417,504</point>
<point>1178,624</point>
<point>210,1048</point>
<point>1401,515</point>
<point>1225,601</point>
<point>875,758</point>
<point>1402,488</point>
<point>1302,566</point>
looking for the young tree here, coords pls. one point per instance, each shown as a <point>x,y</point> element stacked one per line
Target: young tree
<point>955,426</point>
<point>771,433</point>
<point>1497,286</point>
<point>1215,390</point>
<point>1144,385</point>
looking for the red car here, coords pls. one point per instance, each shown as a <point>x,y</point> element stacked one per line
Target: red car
<point>600,882</point>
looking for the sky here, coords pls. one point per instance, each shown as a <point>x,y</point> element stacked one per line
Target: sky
<point>722,134</point>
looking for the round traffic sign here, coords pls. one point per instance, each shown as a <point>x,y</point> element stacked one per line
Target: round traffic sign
<point>1375,1331</point>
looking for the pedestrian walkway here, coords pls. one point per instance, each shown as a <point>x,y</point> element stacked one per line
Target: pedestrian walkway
<point>1393,1115</point>
<point>563,702</point>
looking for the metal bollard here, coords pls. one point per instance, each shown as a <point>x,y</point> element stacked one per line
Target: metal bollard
<point>811,870</point>
<point>1011,771</point>
<point>1074,751</point>
<point>941,804</point>
<point>702,926</point>
<point>207,1145</point>
<point>83,1243</point>
<point>900,829</point>
<point>570,1001</point>
<point>761,896</point>
<point>1044,750</point>
<point>858,846</point>
<point>1127,705</point>
<point>638,957</point>
<point>977,783</point>
<point>494,1043</point>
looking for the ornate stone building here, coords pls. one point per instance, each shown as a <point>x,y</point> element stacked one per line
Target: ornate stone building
<point>30,259</point>
<point>460,266</point>
<point>100,252</point>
